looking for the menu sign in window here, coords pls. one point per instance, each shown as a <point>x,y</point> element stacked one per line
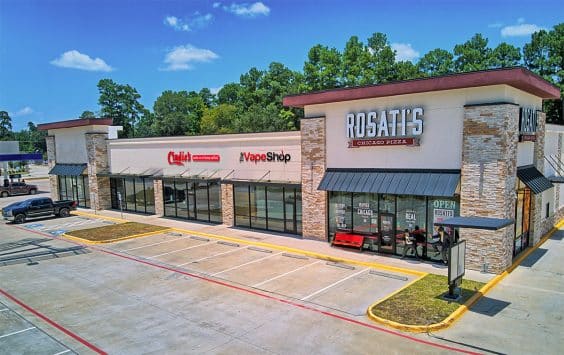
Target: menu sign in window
<point>340,213</point>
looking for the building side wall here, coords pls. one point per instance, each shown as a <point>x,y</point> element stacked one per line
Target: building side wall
<point>227,204</point>
<point>97,152</point>
<point>51,161</point>
<point>488,181</point>
<point>314,201</point>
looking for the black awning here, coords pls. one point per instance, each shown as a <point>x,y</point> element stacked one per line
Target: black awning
<point>556,179</point>
<point>533,178</point>
<point>68,169</point>
<point>439,183</point>
<point>476,222</point>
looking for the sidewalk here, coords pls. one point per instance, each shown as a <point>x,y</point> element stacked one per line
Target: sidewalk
<point>291,241</point>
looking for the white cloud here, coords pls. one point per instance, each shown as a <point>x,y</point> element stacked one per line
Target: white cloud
<point>248,10</point>
<point>404,51</point>
<point>216,5</point>
<point>196,21</point>
<point>22,112</point>
<point>182,57</point>
<point>522,29</point>
<point>76,60</point>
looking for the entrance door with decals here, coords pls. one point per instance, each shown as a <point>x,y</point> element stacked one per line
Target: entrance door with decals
<point>387,233</point>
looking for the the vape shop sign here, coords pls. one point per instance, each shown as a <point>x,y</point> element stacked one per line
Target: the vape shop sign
<point>269,157</point>
<point>385,128</point>
<point>181,158</point>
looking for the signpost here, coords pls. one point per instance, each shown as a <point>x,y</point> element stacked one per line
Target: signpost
<point>120,204</point>
<point>456,268</point>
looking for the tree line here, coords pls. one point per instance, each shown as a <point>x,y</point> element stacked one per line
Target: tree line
<point>254,104</point>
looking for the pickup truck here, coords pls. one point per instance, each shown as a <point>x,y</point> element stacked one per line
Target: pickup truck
<point>19,212</point>
<point>17,188</point>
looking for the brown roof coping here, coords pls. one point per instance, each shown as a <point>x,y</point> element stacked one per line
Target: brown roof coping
<point>76,123</point>
<point>519,78</point>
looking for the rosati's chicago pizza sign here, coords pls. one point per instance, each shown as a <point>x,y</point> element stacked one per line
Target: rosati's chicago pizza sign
<point>385,128</point>
<point>181,158</point>
<point>528,122</point>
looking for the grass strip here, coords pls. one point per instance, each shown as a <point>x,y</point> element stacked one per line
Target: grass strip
<point>421,303</point>
<point>115,231</point>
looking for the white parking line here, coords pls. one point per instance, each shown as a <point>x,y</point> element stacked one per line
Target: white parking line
<point>18,332</point>
<point>211,256</point>
<point>177,250</point>
<point>63,352</point>
<point>150,245</point>
<point>250,262</point>
<point>286,273</point>
<point>333,284</point>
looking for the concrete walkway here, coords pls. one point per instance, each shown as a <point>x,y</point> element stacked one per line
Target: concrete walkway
<point>524,314</point>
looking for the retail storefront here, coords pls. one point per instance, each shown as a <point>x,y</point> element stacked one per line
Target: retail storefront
<point>370,161</point>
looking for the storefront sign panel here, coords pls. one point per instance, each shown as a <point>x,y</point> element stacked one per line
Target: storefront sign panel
<point>180,158</point>
<point>265,157</point>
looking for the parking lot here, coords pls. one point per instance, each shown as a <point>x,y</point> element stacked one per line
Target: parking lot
<point>183,293</point>
<point>347,288</point>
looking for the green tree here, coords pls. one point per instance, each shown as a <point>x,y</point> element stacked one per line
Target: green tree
<point>178,113</point>
<point>258,118</point>
<point>87,114</point>
<point>121,103</point>
<point>354,63</point>
<point>5,126</point>
<point>436,62</point>
<point>380,66</point>
<point>322,69</point>
<point>504,56</point>
<point>544,55</point>
<point>406,70</point>
<point>220,119</point>
<point>472,55</point>
<point>208,98</point>
<point>229,94</point>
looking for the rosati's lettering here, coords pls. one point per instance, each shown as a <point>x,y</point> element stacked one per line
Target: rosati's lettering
<point>396,123</point>
<point>265,157</point>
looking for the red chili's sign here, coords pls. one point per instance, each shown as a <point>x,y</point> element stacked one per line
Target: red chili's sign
<point>265,157</point>
<point>355,143</point>
<point>181,158</point>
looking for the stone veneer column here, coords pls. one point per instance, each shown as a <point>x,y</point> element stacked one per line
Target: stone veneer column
<point>488,182</point>
<point>97,150</point>
<point>51,161</point>
<point>314,202</point>
<point>159,202</point>
<point>227,204</point>
<point>538,210</point>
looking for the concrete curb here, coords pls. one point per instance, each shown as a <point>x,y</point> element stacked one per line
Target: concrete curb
<point>90,242</point>
<point>457,314</point>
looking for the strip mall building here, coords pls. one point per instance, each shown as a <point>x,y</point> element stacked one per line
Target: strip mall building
<point>368,160</point>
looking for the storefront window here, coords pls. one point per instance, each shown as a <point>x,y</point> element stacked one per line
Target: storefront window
<point>241,205</point>
<point>258,207</point>
<point>340,208</point>
<point>411,213</point>
<point>439,209</point>
<point>215,202</point>
<point>365,213</point>
<point>522,218</point>
<point>74,188</point>
<point>196,200</point>
<point>137,194</point>
<point>271,207</point>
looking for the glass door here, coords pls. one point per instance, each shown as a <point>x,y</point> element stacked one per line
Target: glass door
<point>387,233</point>
<point>290,203</point>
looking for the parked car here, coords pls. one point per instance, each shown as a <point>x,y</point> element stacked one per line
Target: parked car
<point>17,188</point>
<point>19,212</point>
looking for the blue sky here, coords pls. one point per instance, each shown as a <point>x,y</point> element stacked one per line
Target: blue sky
<point>54,52</point>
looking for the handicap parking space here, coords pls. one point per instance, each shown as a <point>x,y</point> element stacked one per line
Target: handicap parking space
<point>59,226</point>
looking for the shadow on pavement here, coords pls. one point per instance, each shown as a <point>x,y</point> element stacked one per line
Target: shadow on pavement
<point>489,306</point>
<point>534,257</point>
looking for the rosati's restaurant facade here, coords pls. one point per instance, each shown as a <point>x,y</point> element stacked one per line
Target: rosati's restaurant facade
<point>368,161</point>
